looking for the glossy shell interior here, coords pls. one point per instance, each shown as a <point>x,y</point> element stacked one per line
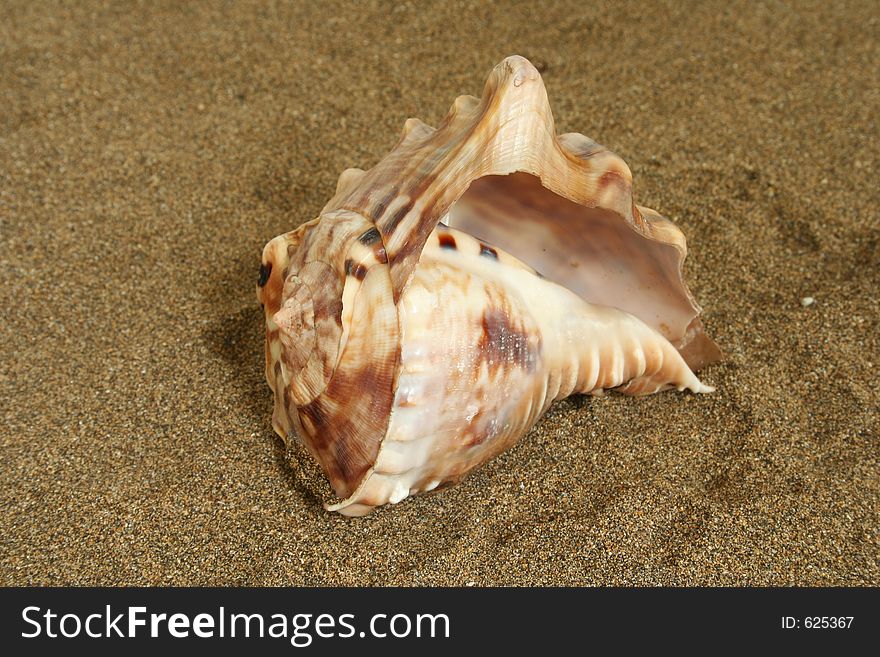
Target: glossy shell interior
<point>590,251</point>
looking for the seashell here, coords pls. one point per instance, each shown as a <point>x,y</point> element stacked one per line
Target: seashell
<point>442,300</point>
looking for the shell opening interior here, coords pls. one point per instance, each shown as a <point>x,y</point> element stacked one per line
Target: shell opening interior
<point>594,252</point>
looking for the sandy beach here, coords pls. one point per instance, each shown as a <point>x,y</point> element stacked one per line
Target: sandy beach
<point>148,152</point>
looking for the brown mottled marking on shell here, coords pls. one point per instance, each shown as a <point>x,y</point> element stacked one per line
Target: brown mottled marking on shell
<point>488,251</point>
<point>265,272</point>
<point>609,178</point>
<point>341,425</point>
<point>351,415</point>
<point>446,241</point>
<point>579,146</point>
<point>373,239</point>
<point>382,205</point>
<point>356,269</point>
<point>470,246</point>
<point>309,323</point>
<point>504,343</point>
<point>328,309</point>
<point>336,395</point>
<point>394,219</point>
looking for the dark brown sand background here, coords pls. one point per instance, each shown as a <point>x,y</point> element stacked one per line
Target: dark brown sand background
<point>147,152</point>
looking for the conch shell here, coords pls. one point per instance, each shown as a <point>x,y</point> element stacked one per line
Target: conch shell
<point>409,334</point>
